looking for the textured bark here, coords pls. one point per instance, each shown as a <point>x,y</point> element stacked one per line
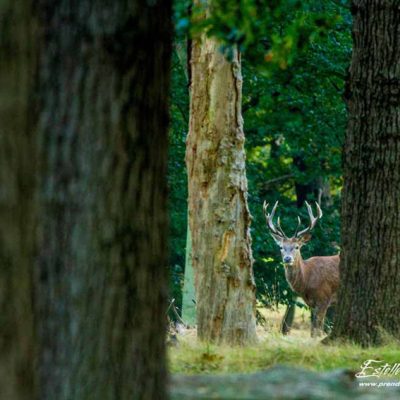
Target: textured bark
<point>218,213</point>
<point>17,164</point>
<point>101,273</point>
<point>370,257</point>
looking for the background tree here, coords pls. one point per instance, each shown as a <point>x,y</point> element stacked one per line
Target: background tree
<point>182,50</point>
<point>188,291</point>
<point>370,265</point>
<point>177,177</point>
<point>218,213</point>
<point>292,105</point>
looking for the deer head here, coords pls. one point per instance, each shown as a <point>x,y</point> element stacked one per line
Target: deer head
<point>290,247</point>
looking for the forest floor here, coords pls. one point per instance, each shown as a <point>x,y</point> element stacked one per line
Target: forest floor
<point>296,349</point>
<point>295,366</point>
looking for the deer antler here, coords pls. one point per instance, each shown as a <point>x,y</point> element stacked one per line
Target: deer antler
<point>313,220</point>
<point>277,230</point>
<point>298,226</point>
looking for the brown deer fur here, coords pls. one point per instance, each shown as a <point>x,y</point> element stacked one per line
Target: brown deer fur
<point>316,279</point>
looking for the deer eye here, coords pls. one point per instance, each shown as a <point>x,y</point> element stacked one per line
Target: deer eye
<point>297,247</point>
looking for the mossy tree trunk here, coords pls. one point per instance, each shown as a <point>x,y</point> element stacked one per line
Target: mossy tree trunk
<point>218,213</point>
<point>370,256</point>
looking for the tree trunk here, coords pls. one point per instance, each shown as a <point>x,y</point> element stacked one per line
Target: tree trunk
<point>17,166</point>
<point>370,257</point>
<point>218,213</point>
<point>305,190</point>
<point>188,292</point>
<point>101,277</point>
<point>288,317</point>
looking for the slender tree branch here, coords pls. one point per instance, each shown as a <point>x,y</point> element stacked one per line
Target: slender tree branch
<point>182,111</point>
<point>278,179</point>
<point>175,311</point>
<point>340,4</point>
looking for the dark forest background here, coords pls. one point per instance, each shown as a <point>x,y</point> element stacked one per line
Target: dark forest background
<point>294,121</point>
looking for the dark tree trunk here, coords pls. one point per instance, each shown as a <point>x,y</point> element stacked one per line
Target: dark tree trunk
<point>305,190</point>
<point>17,166</point>
<point>101,274</point>
<point>370,257</point>
<point>288,318</point>
<point>101,92</point>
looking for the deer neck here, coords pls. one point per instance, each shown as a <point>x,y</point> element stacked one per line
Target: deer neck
<point>295,274</point>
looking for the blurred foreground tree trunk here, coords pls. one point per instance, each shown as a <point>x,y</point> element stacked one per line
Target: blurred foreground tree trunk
<point>83,159</point>
<point>218,213</point>
<point>101,279</point>
<point>370,258</point>
<point>17,210</point>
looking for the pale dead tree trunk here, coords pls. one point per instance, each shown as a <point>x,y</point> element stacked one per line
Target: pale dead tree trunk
<point>218,213</point>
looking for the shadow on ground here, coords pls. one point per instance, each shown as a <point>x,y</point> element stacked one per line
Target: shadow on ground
<point>279,382</point>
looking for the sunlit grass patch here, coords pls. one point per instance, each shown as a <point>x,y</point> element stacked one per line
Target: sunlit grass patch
<point>191,356</point>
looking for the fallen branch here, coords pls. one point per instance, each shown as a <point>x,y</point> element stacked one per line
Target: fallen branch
<point>175,311</point>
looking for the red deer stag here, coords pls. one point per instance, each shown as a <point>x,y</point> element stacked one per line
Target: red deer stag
<point>316,279</point>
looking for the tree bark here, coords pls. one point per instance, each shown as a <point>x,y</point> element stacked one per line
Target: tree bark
<point>101,272</point>
<point>17,209</point>
<point>218,213</point>
<point>370,256</point>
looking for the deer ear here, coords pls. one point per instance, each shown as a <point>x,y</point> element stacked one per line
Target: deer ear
<point>306,237</point>
<point>277,238</point>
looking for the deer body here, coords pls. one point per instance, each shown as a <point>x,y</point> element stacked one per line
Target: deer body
<point>316,279</point>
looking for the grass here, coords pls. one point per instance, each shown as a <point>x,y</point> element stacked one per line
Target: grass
<point>296,349</point>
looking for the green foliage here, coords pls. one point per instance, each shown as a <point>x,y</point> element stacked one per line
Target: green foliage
<point>294,126</point>
<point>295,57</point>
<point>271,33</point>
<point>177,180</point>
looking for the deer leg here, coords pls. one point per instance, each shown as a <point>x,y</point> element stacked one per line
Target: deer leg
<point>318,316</point>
